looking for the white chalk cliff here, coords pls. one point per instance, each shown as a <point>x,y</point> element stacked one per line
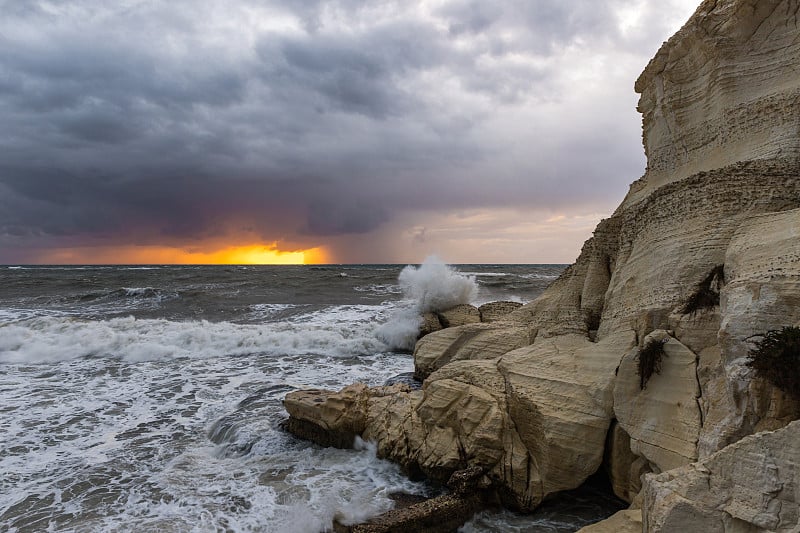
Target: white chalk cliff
<point>547,395</point>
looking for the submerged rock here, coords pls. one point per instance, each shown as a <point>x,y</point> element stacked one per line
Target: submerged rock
<point>444,513</point>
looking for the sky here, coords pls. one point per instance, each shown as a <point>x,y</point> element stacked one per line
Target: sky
<point>343,131</point>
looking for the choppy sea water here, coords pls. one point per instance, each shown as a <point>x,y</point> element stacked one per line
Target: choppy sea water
<point>149,398</point>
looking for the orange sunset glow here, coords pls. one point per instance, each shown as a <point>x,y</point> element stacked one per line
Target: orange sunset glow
<point>254,254</point>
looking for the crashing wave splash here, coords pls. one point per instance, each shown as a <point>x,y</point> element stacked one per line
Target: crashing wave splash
<point>434,286</point>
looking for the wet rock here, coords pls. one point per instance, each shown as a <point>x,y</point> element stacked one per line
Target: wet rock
<point>441,514</point>
<point>406,378</point>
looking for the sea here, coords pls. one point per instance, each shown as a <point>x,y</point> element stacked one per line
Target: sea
<point>149,398</point>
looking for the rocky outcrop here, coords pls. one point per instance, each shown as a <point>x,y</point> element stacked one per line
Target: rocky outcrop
<point>471,342</point>
<point>462,315</point>
<point>701,254</point>
<point>459,316</point>
<point>751,485</point>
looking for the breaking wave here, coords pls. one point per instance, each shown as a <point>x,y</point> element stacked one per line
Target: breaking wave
<point>434,286</point>
<point>54,339</point>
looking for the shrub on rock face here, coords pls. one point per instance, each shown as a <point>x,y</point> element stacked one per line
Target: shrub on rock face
<point>649,361</point>
<point>706,294</point>
<point>776,358</point>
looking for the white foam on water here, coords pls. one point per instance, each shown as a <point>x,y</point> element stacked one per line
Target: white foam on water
<point>11,315</point>
<point>139,291</point>
<point>267,311</point>
<point>182,445</point>
<point>340,331</point>
<point>486,274</point>
<point>402,329</point>
<point>536,275</point>
<point>379,288</point>
<point>508,522</point>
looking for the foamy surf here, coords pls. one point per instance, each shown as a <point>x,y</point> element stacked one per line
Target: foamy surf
<point>189,445</point>
<point>340,331</point>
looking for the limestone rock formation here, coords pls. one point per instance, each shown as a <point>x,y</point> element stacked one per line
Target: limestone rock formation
<point>663,420</point>
<point>540,398</point>
<point>751,485</point>
<point>625,469</point>
<point>464,314</point>
<point>472,341</point>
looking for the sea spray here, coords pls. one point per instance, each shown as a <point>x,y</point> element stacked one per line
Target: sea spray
<point>434,286</point>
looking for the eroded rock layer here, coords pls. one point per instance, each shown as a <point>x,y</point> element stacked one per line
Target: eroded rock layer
<point>703,255</point>
<point>751,485</point>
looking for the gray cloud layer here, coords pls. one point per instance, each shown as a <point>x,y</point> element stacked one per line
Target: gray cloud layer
<point>153,122</point>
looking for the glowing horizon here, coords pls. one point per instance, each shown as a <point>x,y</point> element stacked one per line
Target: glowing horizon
<point>252,254</point>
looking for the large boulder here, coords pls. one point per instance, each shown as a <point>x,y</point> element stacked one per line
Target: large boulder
<point>472,341</point>
<point>663,419</point>
<point>459,316</point>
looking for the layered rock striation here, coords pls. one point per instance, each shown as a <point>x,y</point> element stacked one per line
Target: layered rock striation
<point>703,255</point>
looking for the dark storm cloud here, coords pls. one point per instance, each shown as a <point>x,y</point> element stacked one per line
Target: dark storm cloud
<point>542,24</point>
<point>295,119</point>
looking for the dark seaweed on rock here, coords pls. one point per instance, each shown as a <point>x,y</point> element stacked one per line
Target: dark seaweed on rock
<point>776,358</point>
<point>706,294</point>
<point>649,361</point>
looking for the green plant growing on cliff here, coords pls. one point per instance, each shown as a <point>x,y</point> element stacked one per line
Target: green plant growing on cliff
<point>649,360</point>
<point>706,294</point>
<point>776,358</point>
